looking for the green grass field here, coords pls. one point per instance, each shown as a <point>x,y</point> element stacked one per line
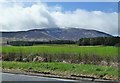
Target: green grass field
<point>63,68</point>
<point>63,49</point>
<point>64,52</point>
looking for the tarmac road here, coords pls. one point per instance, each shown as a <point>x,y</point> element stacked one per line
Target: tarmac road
<point>19,78</point>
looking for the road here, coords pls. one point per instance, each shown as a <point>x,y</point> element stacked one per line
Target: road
<point>12,78</point>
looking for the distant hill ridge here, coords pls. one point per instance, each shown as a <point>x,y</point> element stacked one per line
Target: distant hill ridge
<point>55,34</point>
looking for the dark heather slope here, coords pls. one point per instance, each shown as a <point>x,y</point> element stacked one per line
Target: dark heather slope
<point>55,33</point>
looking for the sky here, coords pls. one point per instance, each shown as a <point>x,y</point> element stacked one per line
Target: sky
<point>19,16</point>
<point>89,6</point>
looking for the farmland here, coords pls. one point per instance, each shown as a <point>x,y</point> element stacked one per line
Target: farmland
<point>67,53</point>
<point>63,49</point>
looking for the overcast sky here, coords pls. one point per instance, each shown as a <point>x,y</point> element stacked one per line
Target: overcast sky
<point>89,15</point>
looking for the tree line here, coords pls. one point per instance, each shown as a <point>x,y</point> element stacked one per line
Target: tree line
<point>31,43</point>
<point>106,41</point>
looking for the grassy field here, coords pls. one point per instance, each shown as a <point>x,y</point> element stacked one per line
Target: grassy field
<point>102,51</point>
<point>97,55</point>
<point>64,68</point>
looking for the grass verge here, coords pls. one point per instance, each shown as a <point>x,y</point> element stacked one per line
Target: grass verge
<point>64,69</point>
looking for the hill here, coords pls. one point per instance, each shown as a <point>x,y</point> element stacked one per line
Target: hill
<point>54,34</point>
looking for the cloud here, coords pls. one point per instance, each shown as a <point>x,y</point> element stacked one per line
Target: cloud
<point>16,17</point>
<point>106,22</point>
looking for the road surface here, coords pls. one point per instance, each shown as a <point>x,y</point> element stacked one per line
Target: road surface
<point>19,77</point>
